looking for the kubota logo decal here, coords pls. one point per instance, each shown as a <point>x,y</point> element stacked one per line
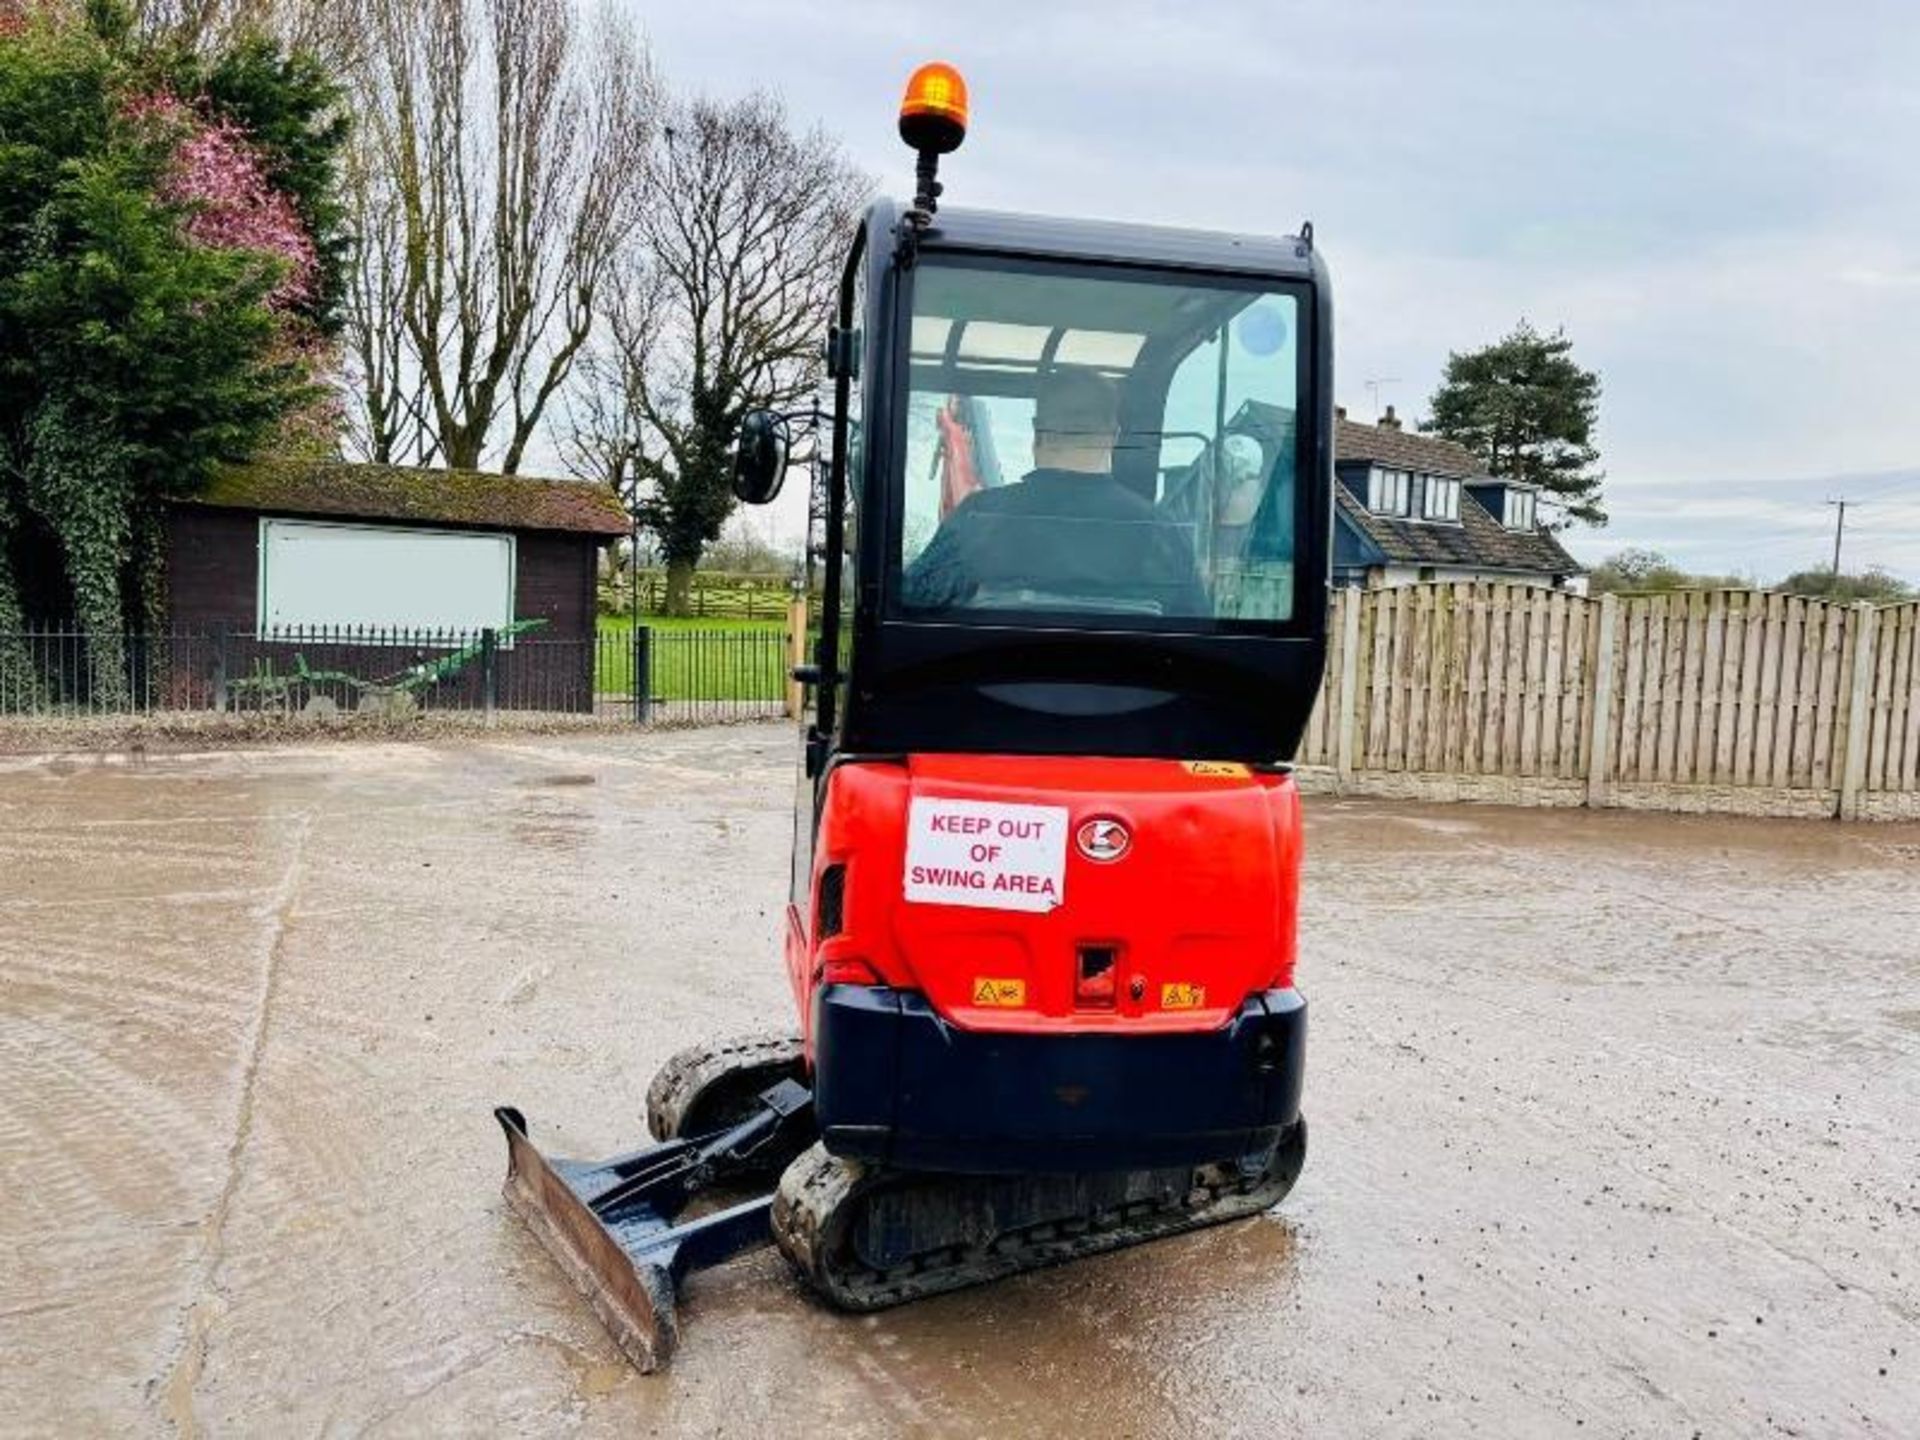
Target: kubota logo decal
<point>1103,839</point>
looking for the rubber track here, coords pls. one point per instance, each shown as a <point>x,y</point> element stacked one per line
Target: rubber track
<point>760,1060</point>
<point>816,1206</point>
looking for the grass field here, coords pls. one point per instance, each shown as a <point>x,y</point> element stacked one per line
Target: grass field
<point>695,659</point>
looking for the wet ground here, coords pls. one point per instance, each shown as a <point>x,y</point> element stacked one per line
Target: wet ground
<point>1616,1121</point>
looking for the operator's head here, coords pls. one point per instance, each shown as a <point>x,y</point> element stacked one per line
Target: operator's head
<point>1076,419</point>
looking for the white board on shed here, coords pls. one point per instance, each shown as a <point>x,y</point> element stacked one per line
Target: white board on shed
<point>324,574</point>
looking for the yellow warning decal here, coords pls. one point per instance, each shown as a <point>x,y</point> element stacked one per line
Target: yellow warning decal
<point>1005,994</point>
<point>1220,769</point>
<point>1182,996</point>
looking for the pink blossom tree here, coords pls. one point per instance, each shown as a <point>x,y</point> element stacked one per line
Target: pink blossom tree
<point>216,175</point>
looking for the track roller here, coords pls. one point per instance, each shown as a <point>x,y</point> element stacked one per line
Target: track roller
<point>867,1238</point>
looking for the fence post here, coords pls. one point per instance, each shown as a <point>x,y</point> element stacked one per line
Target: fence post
<point>1348,598</point>
<point>1852,766</point>
<point>642,673</point>
<point>796,654</point>
<point>1600,737</point>
<point>489,671</point>
<point>220,668</point>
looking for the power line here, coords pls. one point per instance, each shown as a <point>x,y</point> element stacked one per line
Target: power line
<point>1879,485</point>
<point>1899,492</point>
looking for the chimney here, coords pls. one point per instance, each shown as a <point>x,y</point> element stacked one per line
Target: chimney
<point>1389,420</point>
<point>1339,412</point>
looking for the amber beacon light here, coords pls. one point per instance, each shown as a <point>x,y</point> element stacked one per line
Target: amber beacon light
<point>933,116</point>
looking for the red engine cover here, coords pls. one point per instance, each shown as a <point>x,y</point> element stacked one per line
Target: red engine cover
<point>992,884</point>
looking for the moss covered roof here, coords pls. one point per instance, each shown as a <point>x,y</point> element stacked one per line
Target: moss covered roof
<point>439,497</point>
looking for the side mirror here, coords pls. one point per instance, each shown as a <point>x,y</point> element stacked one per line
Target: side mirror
<point>760,457</point>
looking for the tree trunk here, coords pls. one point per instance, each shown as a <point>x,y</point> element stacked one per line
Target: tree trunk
<point>679,587</point>
<point>463,445</point>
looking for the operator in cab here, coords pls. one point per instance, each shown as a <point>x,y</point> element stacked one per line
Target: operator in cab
<point>1067,537</point>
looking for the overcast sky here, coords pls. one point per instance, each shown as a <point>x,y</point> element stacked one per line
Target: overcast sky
<point>1720,202</point>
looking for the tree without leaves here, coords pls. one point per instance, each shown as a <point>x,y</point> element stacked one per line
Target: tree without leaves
<point>740,551</point>
<point>330,29</point>
<point>506,145</point>
<point>720,307</point>
<point>1524,407</point>
<point>389,421</point>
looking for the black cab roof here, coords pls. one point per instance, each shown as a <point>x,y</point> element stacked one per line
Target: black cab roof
<point>1120,242</point>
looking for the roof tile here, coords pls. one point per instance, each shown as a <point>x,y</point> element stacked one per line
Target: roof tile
<point>393,492</point>
<point>1478,542</point>
<point>1406,450</point>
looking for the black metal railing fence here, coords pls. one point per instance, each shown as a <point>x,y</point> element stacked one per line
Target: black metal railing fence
<point>646,674</point>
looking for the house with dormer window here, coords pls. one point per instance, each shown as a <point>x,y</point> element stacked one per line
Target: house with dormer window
<point>1413,507</point>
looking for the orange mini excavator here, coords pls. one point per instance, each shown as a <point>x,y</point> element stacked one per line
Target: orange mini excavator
<point>1047,847</point>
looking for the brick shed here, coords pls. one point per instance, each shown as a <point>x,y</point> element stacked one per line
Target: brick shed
<point>329,546</point>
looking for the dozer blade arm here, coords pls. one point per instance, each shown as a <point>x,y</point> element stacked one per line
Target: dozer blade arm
<point>610,1226</point>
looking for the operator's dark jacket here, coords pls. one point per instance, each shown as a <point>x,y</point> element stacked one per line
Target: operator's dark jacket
<point>1059,533</point>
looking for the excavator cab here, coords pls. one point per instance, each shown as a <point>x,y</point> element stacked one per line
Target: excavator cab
<point>1138,568</point>
<point>1041,926</point>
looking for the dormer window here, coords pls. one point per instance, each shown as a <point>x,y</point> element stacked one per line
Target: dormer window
<point>1391,492</point>
<point>1441,500</point>
<point>1520,509</point>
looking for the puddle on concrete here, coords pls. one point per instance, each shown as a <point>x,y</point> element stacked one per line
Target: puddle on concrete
<point>1609,1128</point>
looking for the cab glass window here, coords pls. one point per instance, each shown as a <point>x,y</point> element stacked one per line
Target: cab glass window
<point>1089,442</point>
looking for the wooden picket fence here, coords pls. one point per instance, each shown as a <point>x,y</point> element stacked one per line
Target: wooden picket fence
<point>716,595</point>
<point>1710,700</point>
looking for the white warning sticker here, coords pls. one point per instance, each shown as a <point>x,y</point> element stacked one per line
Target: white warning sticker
<point>977,852</point>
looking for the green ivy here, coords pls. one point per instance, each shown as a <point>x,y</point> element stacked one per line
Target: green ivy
<point>80,482</point>
<point>19,685</point>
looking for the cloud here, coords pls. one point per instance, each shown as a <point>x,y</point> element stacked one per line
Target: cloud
<point>1718,202</point>
<point>1766,528</point>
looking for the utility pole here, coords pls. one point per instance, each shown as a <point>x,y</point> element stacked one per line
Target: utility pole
<point>1839,529</point>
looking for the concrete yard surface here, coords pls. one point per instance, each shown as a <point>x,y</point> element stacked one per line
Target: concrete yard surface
<point>1616,1120</point>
